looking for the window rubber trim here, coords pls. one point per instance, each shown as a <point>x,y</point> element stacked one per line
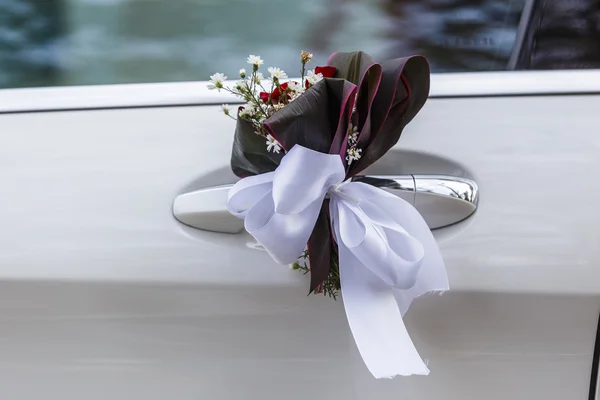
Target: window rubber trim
<point>593,392</point>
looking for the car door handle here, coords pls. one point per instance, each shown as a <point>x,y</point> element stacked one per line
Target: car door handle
<point>442,200</point>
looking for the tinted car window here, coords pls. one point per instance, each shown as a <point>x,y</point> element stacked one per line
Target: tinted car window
<point>86,42</point>
<point>559,34</point>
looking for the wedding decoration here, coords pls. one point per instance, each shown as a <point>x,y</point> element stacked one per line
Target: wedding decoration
<point>297,145</point>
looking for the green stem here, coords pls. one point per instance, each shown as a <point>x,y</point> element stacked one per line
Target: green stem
<point>256,101</point>
<point>238,94</point>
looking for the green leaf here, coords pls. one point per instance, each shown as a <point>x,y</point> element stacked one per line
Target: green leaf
<point>313,119</point>
<point>249,155</point>
<point>319,249</point>
<point>403,90</point>
<point>352,66</point>
<point>362,70</point>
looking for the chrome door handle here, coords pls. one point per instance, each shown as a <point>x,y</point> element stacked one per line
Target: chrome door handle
<point>442,200</point>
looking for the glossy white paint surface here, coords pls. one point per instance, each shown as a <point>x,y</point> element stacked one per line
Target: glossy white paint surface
<point>103,292</point>
<point>196,93</point>
<point>92,192</point>
<point>188,342</point>
<point>206,209</point>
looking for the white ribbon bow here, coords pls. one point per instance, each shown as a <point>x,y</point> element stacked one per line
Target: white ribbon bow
<point>387,254</point>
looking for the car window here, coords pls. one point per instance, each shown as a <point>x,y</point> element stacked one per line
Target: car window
<point>559,34</point>
<point>90,42</point>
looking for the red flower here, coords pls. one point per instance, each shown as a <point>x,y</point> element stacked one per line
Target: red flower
<point>275,95</point>
<point>327,71</point>
<point>264,96</point>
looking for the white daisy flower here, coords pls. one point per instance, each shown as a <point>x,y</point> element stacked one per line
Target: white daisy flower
<point>248,110</point>
<point>353,155</point>
<point>258,77</point>
<point>242,73</point>
<point>313,78</point>
<point>216,81</point>
<point>295,87</point>
<point>352,134</point>
<point>277,73</point>
<point>296,90</point>
<point>226,108</point>
<point>272,144</point>
<point>255,60</point>
<point>240,85</point>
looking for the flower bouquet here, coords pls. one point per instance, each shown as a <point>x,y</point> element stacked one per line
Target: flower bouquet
<point>297,145</point>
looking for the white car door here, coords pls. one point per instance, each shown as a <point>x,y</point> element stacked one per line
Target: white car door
<point>104,293</point>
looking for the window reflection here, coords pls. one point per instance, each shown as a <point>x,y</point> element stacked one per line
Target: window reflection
<point>83,42</point>
<point>30,35</point>
<point>559,34</point>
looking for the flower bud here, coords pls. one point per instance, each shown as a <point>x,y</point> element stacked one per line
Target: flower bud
<point>305,57</point>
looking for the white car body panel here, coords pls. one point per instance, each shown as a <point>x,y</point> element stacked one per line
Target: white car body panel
<point>104,293</point>
<point>462,84</point>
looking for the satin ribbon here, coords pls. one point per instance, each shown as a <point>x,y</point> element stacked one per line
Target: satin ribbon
<point>387,254</point>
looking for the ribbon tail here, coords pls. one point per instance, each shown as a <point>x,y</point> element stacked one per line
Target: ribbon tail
<point>376,322</point>
<point>432,276</point>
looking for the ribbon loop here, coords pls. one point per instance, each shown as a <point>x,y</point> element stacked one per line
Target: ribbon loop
<point>303,177</point>
<point>388,255</point>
